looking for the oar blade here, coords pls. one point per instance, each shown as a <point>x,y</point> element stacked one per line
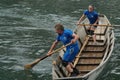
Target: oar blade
<point>28,66</point>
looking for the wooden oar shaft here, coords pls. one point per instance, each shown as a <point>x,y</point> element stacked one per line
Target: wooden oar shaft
<point>60,48</point>
<point>82,48</point>
<point>38,60</point>
<point>29,66</point>
<point>99,25</point>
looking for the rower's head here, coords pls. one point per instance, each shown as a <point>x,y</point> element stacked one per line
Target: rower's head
<point>91,8</point>
<point>59,28</point>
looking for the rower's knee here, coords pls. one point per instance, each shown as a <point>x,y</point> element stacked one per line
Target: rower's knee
<point>69,68</point>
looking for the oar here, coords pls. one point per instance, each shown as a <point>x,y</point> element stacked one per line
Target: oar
<point>99,25</point>
<point>82,48</point>
<point>78,56</point>
<point>31,65</point>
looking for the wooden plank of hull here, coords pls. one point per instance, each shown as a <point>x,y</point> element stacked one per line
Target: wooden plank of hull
<point>89,61</point>
<point>94,49</point>
<point>92,57</point>
<point>100,44</point>
<point>84,67</point>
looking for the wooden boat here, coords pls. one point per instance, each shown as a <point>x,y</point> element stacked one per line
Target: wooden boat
<point>93,57</point>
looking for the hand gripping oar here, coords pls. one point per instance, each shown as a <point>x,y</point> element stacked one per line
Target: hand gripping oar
<point>99,25</point>
<point>31,65</point>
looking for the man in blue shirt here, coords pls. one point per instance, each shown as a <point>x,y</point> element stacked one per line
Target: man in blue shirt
<point>67,36</point>
<point>93,19</point>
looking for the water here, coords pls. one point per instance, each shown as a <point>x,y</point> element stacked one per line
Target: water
<point>27,32</point>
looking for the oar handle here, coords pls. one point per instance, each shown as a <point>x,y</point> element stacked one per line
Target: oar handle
<point>61,48</point>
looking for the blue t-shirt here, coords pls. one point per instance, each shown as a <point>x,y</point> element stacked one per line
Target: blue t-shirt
<point>92,16</point>
<point>66,38</point>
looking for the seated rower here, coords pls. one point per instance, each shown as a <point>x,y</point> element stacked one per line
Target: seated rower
<point>93,18</point>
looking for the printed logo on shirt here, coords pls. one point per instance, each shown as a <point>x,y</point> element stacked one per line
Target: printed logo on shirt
<point>92,16</point>
<point>71,50</point>
<point>64,38</point>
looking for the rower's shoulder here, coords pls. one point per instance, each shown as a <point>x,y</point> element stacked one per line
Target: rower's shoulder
<point>95,12</point>
<point>67,30</point>
<point>86,11</point>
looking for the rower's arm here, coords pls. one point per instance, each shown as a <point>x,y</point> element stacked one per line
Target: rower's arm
<point>96,21</point>
<point>81,19</point>
<point>75,38</point>
<point>52,47</point>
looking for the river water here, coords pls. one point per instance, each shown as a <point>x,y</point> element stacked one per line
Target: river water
<point>27,32</point>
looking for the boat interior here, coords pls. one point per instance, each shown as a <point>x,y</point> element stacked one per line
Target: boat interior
<point>93,55</point>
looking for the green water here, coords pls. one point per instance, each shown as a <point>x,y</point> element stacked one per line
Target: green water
<point>27,32</point>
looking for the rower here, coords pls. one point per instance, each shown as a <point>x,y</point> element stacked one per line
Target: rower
<point>93,18</point>
<point>67,36</point>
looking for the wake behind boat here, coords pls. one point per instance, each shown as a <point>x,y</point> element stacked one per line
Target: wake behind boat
<point>93,58</point>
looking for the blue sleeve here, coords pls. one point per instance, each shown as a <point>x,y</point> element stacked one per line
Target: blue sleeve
<point>85,12</point>
<point>69,33</point>
<point>58,38</point>
<point>96,15</point>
